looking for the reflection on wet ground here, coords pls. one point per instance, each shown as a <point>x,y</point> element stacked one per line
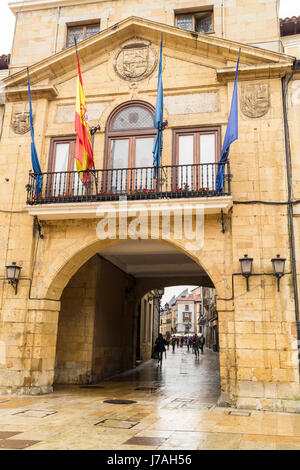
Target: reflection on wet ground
<point>173,408</point>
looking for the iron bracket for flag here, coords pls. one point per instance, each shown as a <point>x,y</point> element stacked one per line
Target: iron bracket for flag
<point>222,221</point>
<point>38,226</point>
<point>164,125</point>
<point>94,129</point>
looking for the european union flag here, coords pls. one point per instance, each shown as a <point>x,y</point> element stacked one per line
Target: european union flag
<point>158,118</point>
<point>34,158</point>
<point>232,132</point>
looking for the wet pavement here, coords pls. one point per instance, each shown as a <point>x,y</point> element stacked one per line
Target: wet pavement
<point>174,408</point>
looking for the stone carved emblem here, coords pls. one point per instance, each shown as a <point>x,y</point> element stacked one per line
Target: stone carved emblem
<point>135,60</point>
<point>255,100</point>
<point>20,122</point>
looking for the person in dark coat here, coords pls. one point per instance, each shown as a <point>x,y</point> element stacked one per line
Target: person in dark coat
<point>173,343</point>
<point>201,343</point>
<point>160,347</point>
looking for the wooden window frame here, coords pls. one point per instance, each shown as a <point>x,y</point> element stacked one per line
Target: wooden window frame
<point>84,27</point>
<point>196,131</point>
<point>52,152</point>
<point>193,14</point>
<point>131,135</point>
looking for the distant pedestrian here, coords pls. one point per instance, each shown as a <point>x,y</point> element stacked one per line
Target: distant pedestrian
<point>173,343</point>
<point>177,341</point>
<point>160,347</point>
<point>196,344</point>
<point>201,343</point>
<point>188,344</point>
<point>181,341</point>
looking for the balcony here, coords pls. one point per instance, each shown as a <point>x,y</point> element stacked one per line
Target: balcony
<point>63,192</point>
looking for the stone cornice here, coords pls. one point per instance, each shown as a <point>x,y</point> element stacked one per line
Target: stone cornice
<point>30,5</point>
<point>92,210</point>
<point>212,49</point>
<point>21,93</point>
<point>257,72</point>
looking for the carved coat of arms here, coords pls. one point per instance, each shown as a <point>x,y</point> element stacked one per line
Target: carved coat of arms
<point>20,122</point>
<point>135,60</point>
<point>255,100</point>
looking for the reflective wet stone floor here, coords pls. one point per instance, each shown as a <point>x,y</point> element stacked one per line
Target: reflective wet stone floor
<point>174,408</point>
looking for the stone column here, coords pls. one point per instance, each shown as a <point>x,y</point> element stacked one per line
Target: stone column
<point>41,338</point>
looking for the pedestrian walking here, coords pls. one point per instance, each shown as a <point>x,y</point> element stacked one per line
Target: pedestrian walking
<point>177,341</point>
<point>181,341</point>
<point>196,345</point>
<point>160,347</point>
<point>201,343</point>
<point>188,344</point>
<point>173,343</point>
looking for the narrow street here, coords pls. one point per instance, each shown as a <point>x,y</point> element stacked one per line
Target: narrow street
<point>174,408</point>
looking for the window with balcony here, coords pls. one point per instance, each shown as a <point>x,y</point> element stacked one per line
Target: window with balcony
<point>187,317</point>
<point>199,22</point>
<point>81,32</point>
<point>62,165</point>
<point>130,140</point>
<point>197,152</point>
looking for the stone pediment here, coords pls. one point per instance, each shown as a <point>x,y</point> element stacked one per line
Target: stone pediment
<point>134,45</point>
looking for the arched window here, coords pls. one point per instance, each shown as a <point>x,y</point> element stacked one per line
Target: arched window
<point>130,136</point>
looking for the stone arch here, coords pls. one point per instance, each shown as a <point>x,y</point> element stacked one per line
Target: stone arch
<point>49,283</point>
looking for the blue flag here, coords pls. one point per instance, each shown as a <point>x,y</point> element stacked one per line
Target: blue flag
<point>158,118</point>
<point>232,131</point>
<point>34,158</point>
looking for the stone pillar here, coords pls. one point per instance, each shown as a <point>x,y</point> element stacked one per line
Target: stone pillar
<point>41,336</point>
<point>227,352</point>
<point>28,347</point>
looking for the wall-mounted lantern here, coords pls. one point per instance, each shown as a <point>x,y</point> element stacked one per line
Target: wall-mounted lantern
<point>246,267</point>
<point>278,269</point>
<point>12,275</point>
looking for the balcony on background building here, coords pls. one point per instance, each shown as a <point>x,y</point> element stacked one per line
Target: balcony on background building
<point>172,183</point>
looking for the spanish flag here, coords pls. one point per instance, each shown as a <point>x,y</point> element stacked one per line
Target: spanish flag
<point>83,150</point>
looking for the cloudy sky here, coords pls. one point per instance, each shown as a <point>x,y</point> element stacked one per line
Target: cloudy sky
<point>288,8</point>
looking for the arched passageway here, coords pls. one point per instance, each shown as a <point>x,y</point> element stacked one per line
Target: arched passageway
<point>100,330</point>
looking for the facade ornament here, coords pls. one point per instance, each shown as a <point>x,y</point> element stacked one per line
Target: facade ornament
<point>20,123</point>
<point>255,100</point>
<point>135,60</point>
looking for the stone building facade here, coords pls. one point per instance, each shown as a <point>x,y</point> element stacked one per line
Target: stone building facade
<point>69,274</point>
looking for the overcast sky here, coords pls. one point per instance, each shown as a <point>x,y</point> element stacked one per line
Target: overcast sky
<point>7,20</point>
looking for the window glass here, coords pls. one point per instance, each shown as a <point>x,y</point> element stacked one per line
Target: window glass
<point>204,23</point>
<point>144,158</point>
<point>62,157</point>
<point>207,155</point>
<point>61,164</point>
<point>186,150</point>
<point>92,30</point>
<point>119,155</point>
<point>81,32</point>
<point>75,33</point>
<point>201,22</point>
<point>133,117</point>
<point>186,158</point>
<point>185,22</point>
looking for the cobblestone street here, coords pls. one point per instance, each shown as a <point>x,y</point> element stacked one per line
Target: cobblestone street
<point>174,409</point>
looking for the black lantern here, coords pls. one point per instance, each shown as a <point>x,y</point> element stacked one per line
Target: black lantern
<point>13,274</point>
<point>246,266</point>
<point>278,269</point>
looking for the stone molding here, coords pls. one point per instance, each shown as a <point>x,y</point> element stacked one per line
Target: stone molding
<point>21,93</point>
<point>89,210</point>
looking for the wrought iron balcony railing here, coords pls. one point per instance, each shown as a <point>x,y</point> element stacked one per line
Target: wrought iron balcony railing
<point>172,181</point>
